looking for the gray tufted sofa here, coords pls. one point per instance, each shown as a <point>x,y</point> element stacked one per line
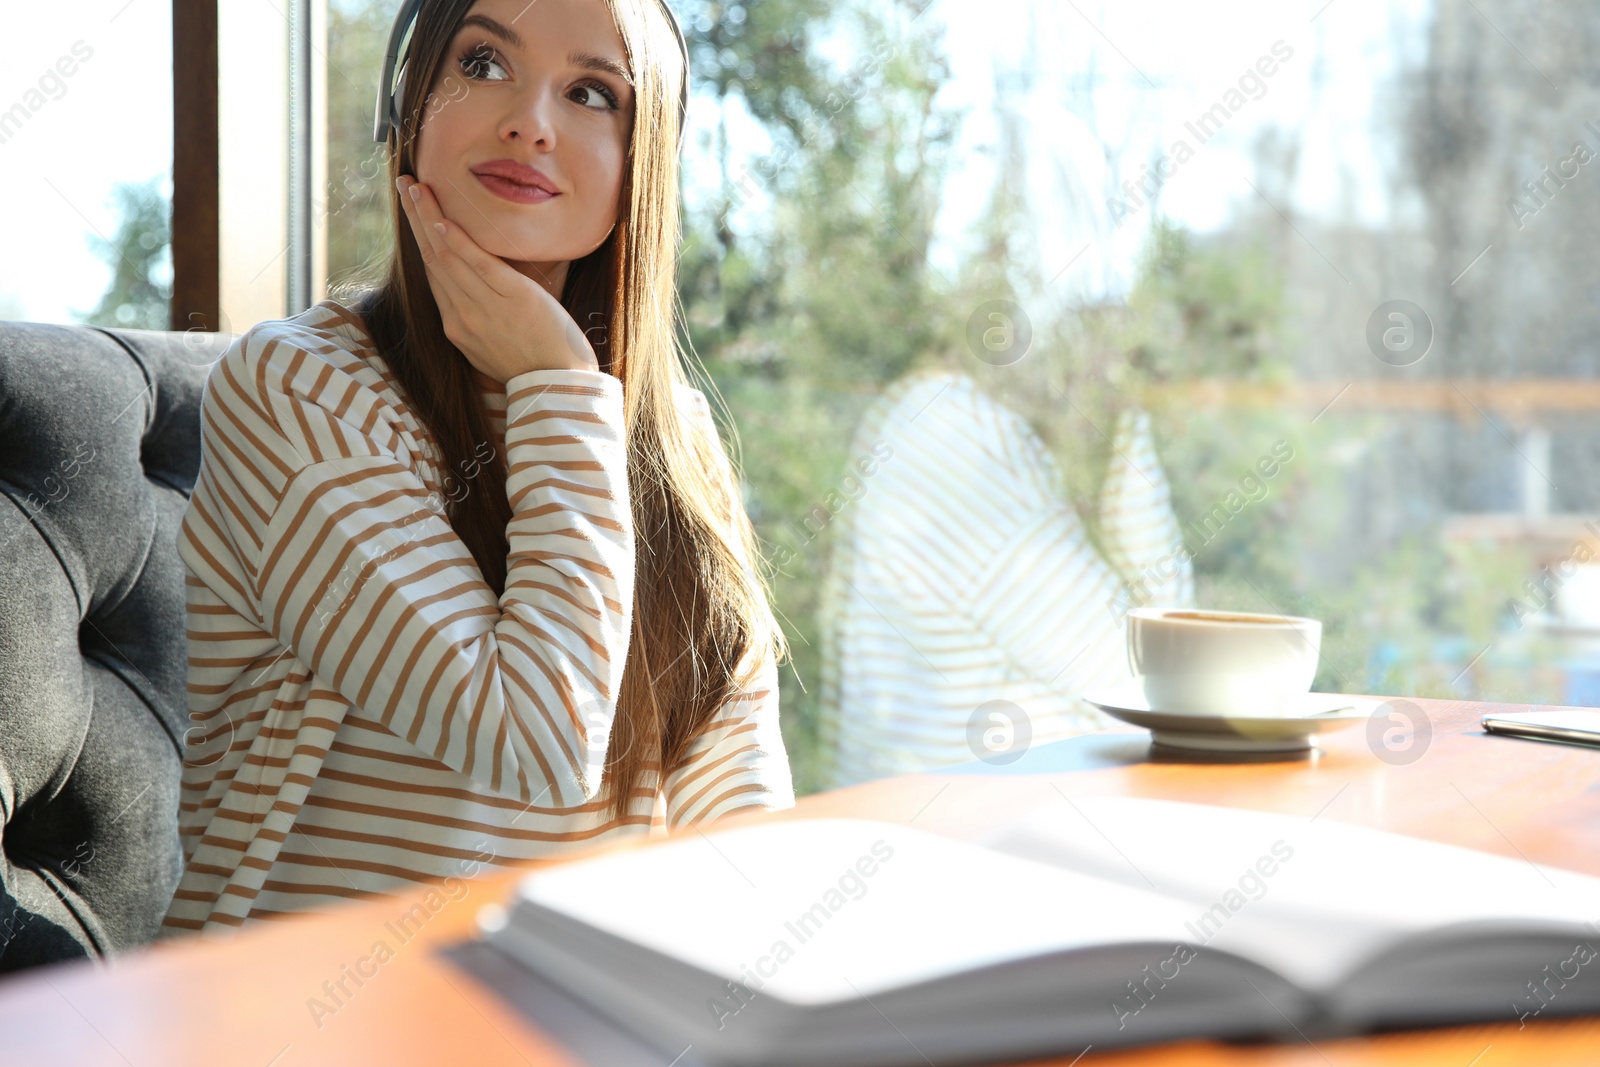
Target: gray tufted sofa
<point>99,448</point>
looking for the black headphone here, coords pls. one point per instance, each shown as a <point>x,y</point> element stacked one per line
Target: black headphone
<point>388,109</point>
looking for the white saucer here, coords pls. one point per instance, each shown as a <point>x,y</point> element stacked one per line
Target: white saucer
<point>1313,713</point>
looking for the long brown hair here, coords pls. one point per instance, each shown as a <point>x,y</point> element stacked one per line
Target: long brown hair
<point>698,614</point>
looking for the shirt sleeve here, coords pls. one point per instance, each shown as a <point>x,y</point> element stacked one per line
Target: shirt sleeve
<point>358,572</point>
<point>988,536</point>
<point>739,761</point>
<point>1138,527</point>
<point>1050,603</point>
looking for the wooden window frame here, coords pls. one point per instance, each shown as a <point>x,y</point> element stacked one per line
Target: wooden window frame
<point>249,150</point>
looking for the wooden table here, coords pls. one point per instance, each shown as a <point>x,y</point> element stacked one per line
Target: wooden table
<point>244,999</point>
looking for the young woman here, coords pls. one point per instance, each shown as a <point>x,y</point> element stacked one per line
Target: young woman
<point>470,577</point>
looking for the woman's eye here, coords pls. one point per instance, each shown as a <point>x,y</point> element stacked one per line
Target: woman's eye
<point>599,89</point>
<point>474,63</point>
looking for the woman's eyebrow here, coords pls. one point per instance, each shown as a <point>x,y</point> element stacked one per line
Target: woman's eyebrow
<point>586,60</point>
<point>496,27</point>
<point>590,61</point>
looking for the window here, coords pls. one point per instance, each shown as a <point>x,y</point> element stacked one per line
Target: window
<point>86,162</point>
<point>1349,243</point>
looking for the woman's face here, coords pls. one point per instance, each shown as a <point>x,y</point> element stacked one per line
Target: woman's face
<point>525,82</point>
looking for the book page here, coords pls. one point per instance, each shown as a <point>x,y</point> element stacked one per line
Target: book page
<point>1310,898</point>
<point>824,910</point>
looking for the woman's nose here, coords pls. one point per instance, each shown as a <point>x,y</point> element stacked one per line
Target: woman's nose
<point>533,116</point>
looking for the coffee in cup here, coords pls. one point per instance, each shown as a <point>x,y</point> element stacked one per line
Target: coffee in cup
<point>1233,663</point>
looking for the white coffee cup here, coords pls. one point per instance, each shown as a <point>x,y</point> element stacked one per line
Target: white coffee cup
<point>1235,663</point>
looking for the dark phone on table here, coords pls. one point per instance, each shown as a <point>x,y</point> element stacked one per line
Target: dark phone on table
<point>1570,725</point>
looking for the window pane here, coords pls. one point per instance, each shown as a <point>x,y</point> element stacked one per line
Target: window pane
<point>86,162</point>
<point>353,204</point>
<point>1256,307</point>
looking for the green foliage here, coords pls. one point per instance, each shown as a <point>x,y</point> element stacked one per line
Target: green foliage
<point>839,282</point>
<point>352,207</point>
<point>1207,309</point>
<point>800,323</point>
<point>138,253</point>
<point>1419,618</point>
<point>1215,310</point>
<point>761,52</point>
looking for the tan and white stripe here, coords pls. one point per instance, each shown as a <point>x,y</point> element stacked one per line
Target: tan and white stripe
<point>365,713</point>
<point>961,576</point>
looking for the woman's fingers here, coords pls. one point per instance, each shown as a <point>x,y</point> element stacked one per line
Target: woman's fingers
<point>472,266</point>
<point>446,291</point>
<point>427,239</point>
<point>445,274</point>
<point>441,295</point>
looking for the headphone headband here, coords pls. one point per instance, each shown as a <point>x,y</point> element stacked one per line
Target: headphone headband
<point>390,89</point>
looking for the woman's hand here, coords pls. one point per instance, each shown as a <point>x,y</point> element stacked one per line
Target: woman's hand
<point>505,323</point>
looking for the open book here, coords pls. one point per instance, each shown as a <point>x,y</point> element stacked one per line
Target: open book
<point>1094,922</point>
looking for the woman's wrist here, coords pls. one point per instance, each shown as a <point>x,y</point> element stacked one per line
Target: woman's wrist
<point>581,358</point>
<point>582,364</point>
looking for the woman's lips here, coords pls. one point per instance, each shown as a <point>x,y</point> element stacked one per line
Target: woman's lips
<point>515,192</point>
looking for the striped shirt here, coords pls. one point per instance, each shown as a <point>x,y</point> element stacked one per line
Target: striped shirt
<point>365,713</point>
<point>963,586</point>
